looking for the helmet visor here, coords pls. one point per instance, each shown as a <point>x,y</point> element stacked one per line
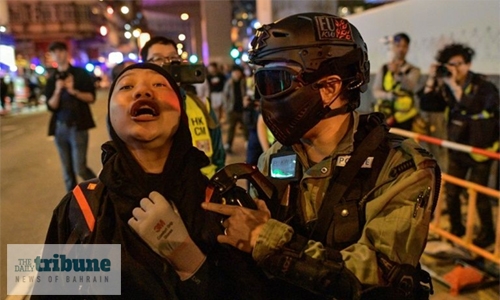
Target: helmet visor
<point>277,81</point>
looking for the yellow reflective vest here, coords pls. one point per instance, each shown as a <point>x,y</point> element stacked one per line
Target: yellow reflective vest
<point>402,107</point>
<point>200,133</point>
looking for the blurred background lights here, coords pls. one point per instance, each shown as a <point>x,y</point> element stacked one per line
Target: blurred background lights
<point>136,33</point>
<point>193,59</point>
<point>234,53</point>
<point>127,34</point>
<point>182,37</point>
<point>132,56</point>
<point>184,16</point>
<point>3,28</point>
<point>109,10</point>
<point>98,71</point>
<point>89,67</point>
<point>184,55</point>
<point>39,70</point>
<point>256,24</point>
<point>124,9</point>
<point>127,26</point>
<point>103,30</point>
<point>115,57</point>
<point>143,39</point>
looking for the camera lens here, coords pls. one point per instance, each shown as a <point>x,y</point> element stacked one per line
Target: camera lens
<point>442,71</point>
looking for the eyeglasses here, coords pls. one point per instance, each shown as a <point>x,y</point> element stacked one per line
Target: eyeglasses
<point>277,81</point>
<point>456,64</point>
<point>160,60</point>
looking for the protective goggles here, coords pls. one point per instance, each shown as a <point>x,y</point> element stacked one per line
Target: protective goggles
<point>277,81</point>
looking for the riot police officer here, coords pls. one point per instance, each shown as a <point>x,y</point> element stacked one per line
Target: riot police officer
<point>354,202</point>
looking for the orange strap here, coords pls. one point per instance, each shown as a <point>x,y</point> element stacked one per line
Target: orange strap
<point>208,193</point>
<point>84,206</point>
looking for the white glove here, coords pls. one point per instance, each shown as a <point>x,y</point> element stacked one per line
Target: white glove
<point>161,227</point>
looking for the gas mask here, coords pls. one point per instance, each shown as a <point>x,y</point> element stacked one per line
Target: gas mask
<point>290,106</point>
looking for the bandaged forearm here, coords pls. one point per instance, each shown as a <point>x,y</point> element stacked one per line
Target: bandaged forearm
<point>161,227</point>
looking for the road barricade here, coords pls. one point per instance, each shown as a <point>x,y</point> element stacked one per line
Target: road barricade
<point>472,189</point>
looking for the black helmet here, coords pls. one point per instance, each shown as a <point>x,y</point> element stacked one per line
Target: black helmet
<point>323,44</point>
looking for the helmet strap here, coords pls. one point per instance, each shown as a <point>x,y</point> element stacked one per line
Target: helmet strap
<point>328,112</point>
<point>336,111</point>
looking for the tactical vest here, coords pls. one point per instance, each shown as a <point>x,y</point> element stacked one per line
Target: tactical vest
<point>342,215</point>
<point>341,219</point>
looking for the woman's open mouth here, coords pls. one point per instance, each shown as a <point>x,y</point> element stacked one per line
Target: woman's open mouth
<point>144,110</point>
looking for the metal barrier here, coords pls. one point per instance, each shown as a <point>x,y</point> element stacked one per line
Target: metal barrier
<point>472,189</point>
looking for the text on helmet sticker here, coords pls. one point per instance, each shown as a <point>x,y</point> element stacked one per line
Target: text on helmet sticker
<point>332,28</point>
<point>259,41</point>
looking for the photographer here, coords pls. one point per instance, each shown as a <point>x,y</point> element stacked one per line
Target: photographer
<point>203,123</point>
<point>69,92</point>
<point>470,103</point>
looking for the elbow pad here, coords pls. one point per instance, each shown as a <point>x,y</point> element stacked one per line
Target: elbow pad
<point>323,277</point>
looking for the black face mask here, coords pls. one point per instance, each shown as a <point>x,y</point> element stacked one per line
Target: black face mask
<point>291,116</point>
<point>290,106</point>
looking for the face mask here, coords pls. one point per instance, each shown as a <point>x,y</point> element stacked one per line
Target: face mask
<point>290,107</point>
<point>290,117</point>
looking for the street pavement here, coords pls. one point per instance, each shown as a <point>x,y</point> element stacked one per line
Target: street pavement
<point>31,180</point>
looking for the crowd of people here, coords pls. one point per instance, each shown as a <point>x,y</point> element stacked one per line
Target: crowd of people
<point>455,104</point>
<point>352,205</point>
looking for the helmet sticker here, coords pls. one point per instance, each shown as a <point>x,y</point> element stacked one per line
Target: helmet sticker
<point>260,38</point>
<point>332,28</point>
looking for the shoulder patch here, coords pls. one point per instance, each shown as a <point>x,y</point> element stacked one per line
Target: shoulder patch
<point>420,156</point>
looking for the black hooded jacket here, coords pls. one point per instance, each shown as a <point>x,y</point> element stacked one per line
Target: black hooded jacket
<point>144,274</point>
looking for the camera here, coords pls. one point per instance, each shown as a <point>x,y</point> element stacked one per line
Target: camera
<point>62,74</point>
<point>185,72</point>
<point>442,71</point>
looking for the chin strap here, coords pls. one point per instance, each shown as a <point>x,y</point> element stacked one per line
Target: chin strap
<point>328,112</point>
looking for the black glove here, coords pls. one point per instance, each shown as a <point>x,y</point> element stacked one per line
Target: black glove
<point>327,277</point>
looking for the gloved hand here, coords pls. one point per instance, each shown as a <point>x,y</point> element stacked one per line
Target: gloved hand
<point>161,227</point>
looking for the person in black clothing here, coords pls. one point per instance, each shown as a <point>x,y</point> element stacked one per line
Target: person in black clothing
<point>3,93</point>
<point>151,173</point>
<point>251,112</point>
<point>235,90</point>
<point>69,92</point>
<point>216,81</point>
<point>472,103</point>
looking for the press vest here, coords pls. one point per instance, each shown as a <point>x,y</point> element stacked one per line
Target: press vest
<point>402,108</point>
<point>200,133</point>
